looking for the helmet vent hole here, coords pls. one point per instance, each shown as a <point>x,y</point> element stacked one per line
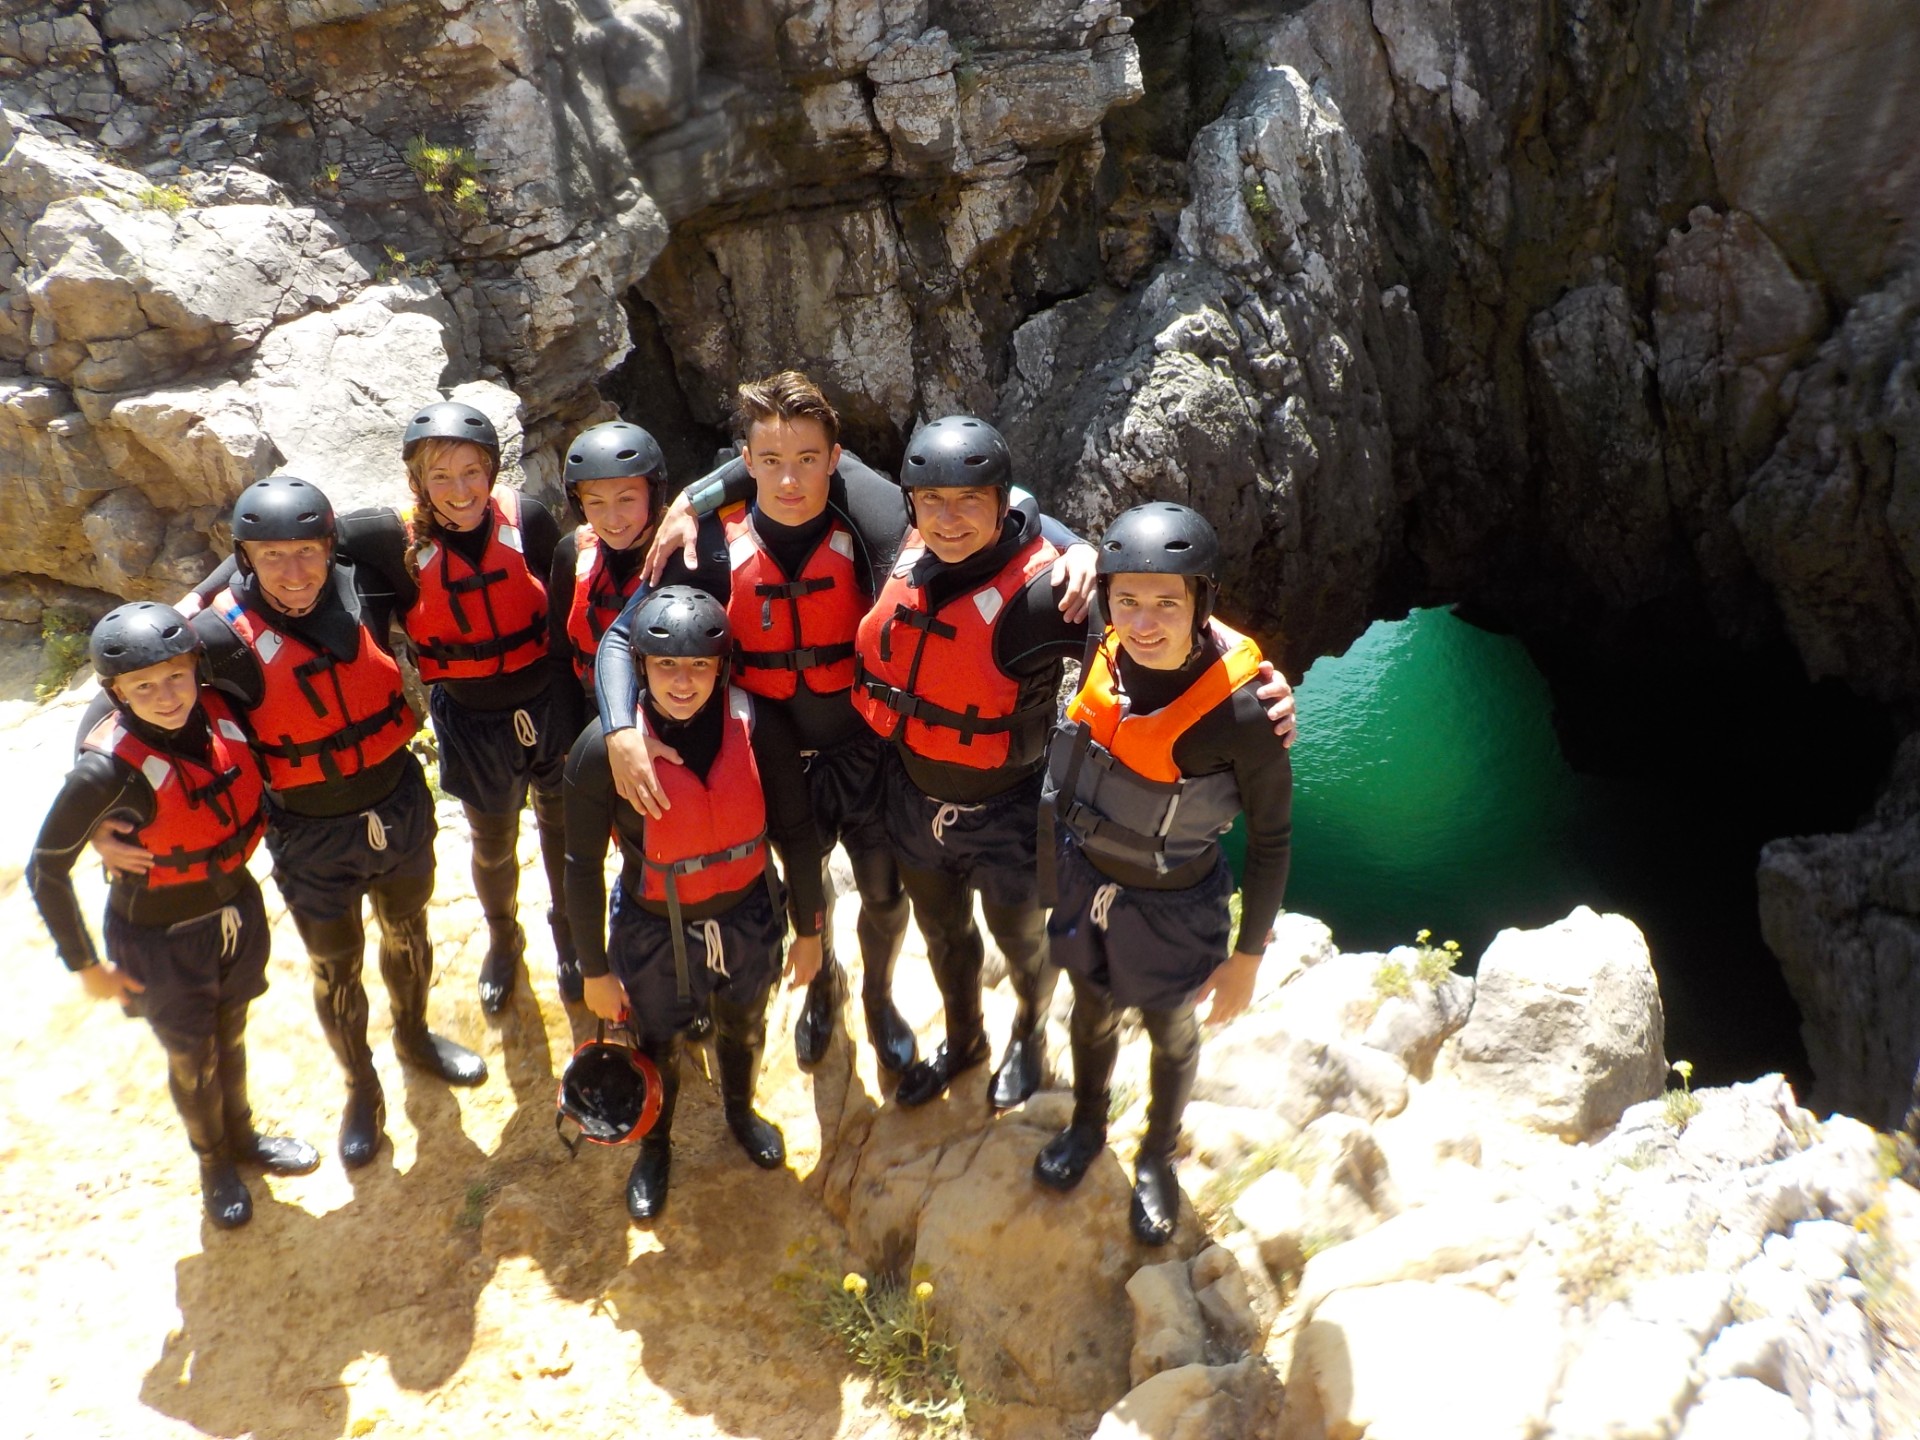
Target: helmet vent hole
<point>1179,544</point>
<point>625,454</point>
<point>916,460</point>
<point>974,460</point>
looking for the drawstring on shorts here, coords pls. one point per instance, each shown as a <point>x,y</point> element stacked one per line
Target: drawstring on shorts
<point>524,730</point>
<point>1102,904</point>
<point>716,951</point>
<point>946,815</point>
<point>229,930</point>
<point>376,832</point>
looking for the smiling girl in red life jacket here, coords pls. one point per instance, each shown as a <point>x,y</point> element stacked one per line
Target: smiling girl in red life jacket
<point>696,927</point>
<point>188,937</point>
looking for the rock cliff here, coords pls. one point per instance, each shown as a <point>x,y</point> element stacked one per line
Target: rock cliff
<point>1602,318</point>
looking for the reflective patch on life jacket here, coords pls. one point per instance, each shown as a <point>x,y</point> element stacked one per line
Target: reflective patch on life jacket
<point>842,540</point>
<point>232,731</point>
<point>267,646</point>
<point>510,537</point>
<point>741,550</point>
<point>156,770</point>
<point>988,603</point>
<point>428,554</point>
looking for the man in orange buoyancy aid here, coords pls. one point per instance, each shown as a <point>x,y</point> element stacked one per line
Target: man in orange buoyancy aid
<point>297,640</point>
<point>1163,745</point>
<point>959,661</point>
<point>501,695</point>
<point>616,482</point>
<point>695,927</point>
<point>189,936</point>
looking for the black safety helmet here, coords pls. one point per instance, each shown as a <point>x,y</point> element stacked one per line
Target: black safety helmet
<point>615,450</point>
<point>1162,538</point>
<point>139,634</point>
<point>281,507</point>
<point>611,1091</point>
<point>450,420</point>
<point>679,620</point>
<point>954,451</point>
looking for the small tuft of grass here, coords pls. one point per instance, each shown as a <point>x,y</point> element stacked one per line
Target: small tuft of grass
<point>473,1212</point>
<point>1214,1202</point>
<point>1391,981</point>
<point>887,1327</point>
<point>451,171</point>
<point>1682,1104</point>
<point>63,649</point>
<point>170,198</point>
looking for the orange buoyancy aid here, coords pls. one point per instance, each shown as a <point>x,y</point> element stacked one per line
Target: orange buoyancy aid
<point>322,718</point>
<point>470,621</point>
<point>1111,776</point>
<point>1144,743</point>
<point>712,838</point>
<point>936,669</point>
<point>208,816</point>
<point>786,628</point>
<point>597,600</point>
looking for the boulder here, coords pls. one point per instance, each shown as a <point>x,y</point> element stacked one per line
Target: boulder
<point>1566,1026</point>
<point>1195,1402</point>
<point>1168,1330</point>
<point>1424,1243</point>
<point>1743,1410</point>
<point>1629,1380</point>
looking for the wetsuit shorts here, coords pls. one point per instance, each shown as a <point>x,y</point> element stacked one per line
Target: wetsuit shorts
<point>847,786</point>
<point>1147,948</point>
<point>736,953</point>
<point>990,846</point>
<point>192,969</point>
<point>486,759</point>
<point>325,864</point>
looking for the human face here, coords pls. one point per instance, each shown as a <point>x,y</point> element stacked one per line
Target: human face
<point>957,521</point>
<point>681,684</point>
<point>458,480</point>
<point>293,573</point>
<point>617,510</point>
<point>1153,616</point>
<point>791,462</point>
<point>162,695</point>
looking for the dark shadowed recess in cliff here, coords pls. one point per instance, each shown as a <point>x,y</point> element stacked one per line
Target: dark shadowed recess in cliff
<point>647,390</point>
<point>1695,754</point>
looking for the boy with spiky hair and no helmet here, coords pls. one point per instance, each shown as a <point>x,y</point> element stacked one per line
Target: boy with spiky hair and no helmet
<point>1163,745</point>
<point>795,537</point>
<point>696,926</point>
<point>295,632</point>
<point>188,933</point>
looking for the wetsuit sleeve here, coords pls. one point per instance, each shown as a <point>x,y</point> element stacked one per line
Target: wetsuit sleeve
<point>539,533</point>
<point>590,799</point>
<point>1056,534</point>
<point>198,597</point>
<point>1034,634</point>
<point>776,751</point>
<point>615,679</point>
<point>560,585</point>
<point>874,507</point>
<point>714,491</point>
<point>97,787</point>
<point>376,541</point>
<point>1263,770</point>
<point>231,667</point>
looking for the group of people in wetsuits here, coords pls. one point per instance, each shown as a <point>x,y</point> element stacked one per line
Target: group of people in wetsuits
<point>796,652</point>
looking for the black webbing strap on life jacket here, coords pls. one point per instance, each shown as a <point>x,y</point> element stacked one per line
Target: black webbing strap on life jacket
<point>181,858</point>
<point>1082,739</point>
<point>671,873</point>
<point>807,659</point>
<point>922,620</point>
<point>445,650</point>
<point>969,722</point>
<point>345,738</point>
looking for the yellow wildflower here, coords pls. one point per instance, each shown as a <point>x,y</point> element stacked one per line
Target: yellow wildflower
<point>923,1291</point>
<point>854,1284</point>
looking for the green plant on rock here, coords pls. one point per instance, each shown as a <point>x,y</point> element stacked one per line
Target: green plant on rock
<point>1214,1202</point>
<point>473,1211</point>
<point>170,198</point>
<point>448,170</point>
<point>1434,963</point>
<point>398,265</point>
<point>1265,214</point>
<point>1682,1104</point>
<point>1392,981</point>
<point>887,1327</point>
<point>63,648</point>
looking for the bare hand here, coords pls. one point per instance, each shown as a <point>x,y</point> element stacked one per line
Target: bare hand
<point>1231,986</point>
<point>123,857</point>
<point>804,956</point>
<point>1076,568</point>
<point>107,981</point>
<point>1278,697</point>
<point>605,997</point>
<point>678,526</point>
<point>631,755</point>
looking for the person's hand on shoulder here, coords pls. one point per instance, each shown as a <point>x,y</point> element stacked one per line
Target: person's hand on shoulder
<point>678,526</point>
<point>1277,695</point>
<point>631,756</point>
<point>1076,569</point>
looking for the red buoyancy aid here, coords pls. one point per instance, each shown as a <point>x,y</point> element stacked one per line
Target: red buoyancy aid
<point>473,622</point>
<point>321,719</point>
<point>1144,743</point>
<point>783,629</point>
<point>937,669</point>
<point>207,816</point>
<point>597,600</point>
<point>712,838</point>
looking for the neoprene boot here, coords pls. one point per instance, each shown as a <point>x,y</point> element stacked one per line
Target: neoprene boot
<point>881,930</point>
<point>1155,1211</point>
<point>814,1029</point>
<point>759,1137</point>
<point>1022,936</point>
<point>277,1154</point>
<point>340,1000</point>
<point>406,962</point>
<point>1063,1161</point>
<point>192,1078</point>
<point>496,882</point>
<point>957,955</point>
<point>647,1181</point>
<point>550,817</point>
